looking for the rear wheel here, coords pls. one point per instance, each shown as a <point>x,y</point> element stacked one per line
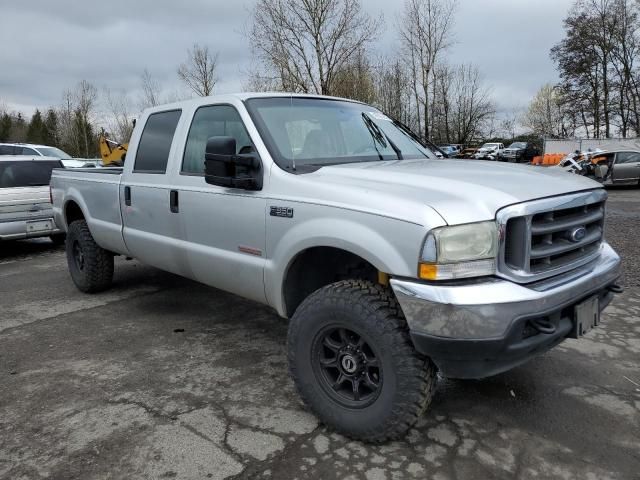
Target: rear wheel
<point>354,364</point>
<point>90,266</point>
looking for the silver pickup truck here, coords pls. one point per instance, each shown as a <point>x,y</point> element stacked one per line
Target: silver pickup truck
<point>389,263</point>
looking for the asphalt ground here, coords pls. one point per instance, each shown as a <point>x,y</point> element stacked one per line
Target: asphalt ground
<point>161,377</point>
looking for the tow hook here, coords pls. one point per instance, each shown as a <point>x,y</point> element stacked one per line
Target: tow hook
<point>543,325</point>
<point>615,288</point>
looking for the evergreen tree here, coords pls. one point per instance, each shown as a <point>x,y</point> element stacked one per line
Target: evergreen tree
<point>51,134</point>
<point>6,124</point>
<point>18,129</point>
<point>84,138</point>
<point>36,129</point>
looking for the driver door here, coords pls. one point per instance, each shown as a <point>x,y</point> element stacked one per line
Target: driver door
<point>223,228</point>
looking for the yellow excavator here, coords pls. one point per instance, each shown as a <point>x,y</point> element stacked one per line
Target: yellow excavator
<point>112,152</point>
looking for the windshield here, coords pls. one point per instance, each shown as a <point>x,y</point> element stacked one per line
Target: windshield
<point>518,145</point>
<point>490,145</point>
<point>53,152</point>
<point>303,132</point>
<point>27,173</point>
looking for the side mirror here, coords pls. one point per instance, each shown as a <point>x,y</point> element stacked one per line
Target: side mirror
<point>225,168</point>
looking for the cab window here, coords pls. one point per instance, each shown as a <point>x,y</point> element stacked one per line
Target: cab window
<point>155,143</point>
<point>213,121</point>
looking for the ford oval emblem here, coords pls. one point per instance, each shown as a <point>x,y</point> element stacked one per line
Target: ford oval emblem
<point>578,234</point>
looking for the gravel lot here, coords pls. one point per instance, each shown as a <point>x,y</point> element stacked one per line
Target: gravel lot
<point>164,378</point>
<point>623,231</point>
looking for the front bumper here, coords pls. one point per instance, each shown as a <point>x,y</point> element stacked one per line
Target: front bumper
<point>478,328</point>
<point>20,228</point>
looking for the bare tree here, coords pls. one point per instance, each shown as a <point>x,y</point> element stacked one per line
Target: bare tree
<point>120,119</point>
<point>304,44</point>
<point>472,109</point>
<point>199,71</point>
<point>355,79</point>
<point>150,90</point>
<point>76,119</point>
<point>86,95</point>
<point>425,31</point>
<point>393,95</point>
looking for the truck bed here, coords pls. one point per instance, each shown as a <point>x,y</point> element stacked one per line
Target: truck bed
<point>97,192</point>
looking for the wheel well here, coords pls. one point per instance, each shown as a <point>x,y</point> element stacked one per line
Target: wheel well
<point>72,212</point>
<point>319,266</point>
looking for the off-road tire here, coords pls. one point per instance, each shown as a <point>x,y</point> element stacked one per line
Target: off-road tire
<point>408,378</point>
<point>96,273</point>
<point>58,238</point>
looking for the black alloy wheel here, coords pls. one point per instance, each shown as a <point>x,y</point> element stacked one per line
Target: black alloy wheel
<point>347,367</point>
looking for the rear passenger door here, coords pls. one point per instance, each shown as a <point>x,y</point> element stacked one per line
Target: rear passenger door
<point>626,168</point>
<point>151,231</point>
<point>224,228</point>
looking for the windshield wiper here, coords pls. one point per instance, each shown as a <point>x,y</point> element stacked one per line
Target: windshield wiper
<point>375,134</point>
<point>394,146</point>
<point>380,135</point>
<point>425,143</point>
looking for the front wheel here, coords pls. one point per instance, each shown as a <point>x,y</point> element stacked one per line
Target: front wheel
<point>354,364</point>
<point>90,266</point>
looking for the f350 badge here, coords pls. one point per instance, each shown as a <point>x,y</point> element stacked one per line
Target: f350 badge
<point>285,212</point>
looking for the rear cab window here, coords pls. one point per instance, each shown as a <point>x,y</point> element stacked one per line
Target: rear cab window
<point>153,150</point>
<point>27,173</point>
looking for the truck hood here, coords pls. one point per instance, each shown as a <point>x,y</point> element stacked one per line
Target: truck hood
<point>461,191</point>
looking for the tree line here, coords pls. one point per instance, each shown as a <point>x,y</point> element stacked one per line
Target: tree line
<point>598,95</point>
<point>329,47</point>
<point>307,46</point>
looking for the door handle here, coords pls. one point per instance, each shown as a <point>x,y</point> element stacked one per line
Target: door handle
<point>127,196</point>
<point>173,201</point>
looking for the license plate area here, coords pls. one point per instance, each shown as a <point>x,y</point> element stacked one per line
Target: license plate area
<point>36,226</point>
<point>586,315</point>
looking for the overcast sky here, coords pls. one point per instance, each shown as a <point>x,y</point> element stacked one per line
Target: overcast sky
<point>48,46</point>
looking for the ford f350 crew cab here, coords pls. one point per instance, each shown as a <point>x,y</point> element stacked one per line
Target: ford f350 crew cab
<point>389,263</point>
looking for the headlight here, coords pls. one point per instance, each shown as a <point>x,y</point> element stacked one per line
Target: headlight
<point>460,251</point>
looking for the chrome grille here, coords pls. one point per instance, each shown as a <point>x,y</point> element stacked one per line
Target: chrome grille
<point>550,236</point>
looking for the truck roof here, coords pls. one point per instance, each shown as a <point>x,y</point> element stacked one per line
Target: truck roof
<point>242,96</point>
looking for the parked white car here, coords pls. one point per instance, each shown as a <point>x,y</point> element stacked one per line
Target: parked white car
<point>489,151</point>
<point>34,150</point>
